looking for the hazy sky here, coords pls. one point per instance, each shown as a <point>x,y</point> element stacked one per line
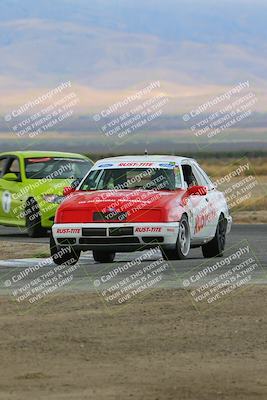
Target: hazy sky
<point>111,47</point>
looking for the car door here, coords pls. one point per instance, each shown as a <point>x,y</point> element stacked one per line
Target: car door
<point>215,200</point>
<point>207,218</point>
<point>197,207</point>
<point>10,193</point>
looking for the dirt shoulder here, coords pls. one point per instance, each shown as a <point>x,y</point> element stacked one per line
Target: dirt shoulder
<point>157,348</point>
<point>11,249</point>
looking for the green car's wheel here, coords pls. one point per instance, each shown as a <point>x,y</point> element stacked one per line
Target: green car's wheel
<point>33,219</point>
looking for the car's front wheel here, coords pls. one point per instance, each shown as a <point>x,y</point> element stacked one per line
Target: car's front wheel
<point>33,219</point>
<point>216,246</point>
<point>181,250</point>
<point>63,255</point>
<point>103,257</point>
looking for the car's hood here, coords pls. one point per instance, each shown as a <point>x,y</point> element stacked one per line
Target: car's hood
<point>105,198</point>
<point>42,186</point>
<point>83,205</point>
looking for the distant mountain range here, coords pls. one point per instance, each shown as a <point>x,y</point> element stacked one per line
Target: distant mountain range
<point>195,48</point>
<point>109,49</point>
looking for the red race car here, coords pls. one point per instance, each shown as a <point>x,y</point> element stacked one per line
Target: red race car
<point>136,202</point>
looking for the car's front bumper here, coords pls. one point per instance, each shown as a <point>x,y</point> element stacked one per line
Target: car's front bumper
<point>116,236</point>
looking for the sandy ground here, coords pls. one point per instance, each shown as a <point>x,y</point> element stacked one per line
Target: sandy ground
<point>157,348</point>
<point>10,250</point>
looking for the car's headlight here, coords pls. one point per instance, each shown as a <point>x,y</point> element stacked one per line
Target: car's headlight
<point>53,198</point>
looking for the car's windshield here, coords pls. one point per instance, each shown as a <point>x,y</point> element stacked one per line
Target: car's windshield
<point>56,168</point>
<point>130,178</point>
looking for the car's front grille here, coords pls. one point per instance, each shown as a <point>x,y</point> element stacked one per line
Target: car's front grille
<point>66,241</point>
<point>110,216</point>
<point>110,240</point>
<point>123,231</point>
<point>153,239</point>
<point>94,232</point>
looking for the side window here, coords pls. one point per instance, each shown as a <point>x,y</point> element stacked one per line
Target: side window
<point>204,177</point>
<point>178,178</point>
<point>3,161</point>
<point>14,167</point>
<point>190,177</point>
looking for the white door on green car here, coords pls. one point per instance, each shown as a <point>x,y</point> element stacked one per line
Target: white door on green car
<point>11,204</point>
<point>4,202</point>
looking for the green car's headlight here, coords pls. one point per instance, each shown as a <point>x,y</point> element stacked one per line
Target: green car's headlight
<point>53,198</point>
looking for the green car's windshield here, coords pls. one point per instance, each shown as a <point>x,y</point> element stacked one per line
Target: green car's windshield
<point>130,178</point>
<point>56,168</point>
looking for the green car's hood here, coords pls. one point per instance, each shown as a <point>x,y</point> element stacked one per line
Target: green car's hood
<point>51,186</point>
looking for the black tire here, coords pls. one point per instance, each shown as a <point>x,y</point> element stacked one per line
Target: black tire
<point>33,219</point>
<point>103,257</point>
<point>216,246</point>
<point>63,255</point>
<point>182,247</point>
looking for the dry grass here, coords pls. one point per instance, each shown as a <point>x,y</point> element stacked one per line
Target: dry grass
<point>257,204</point>
<point>220,167</point>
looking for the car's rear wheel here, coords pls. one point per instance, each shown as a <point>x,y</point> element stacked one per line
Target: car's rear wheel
<point>103,257</point>
<point>216,246</point>
<point>63,255</point>
<point>33,219</point>
<point>183,242</point>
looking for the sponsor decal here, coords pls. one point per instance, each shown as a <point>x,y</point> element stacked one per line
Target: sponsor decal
<point>167,165</point>
<point>39,160</point>
<point>105,165</point>
<point>202,219</point>
<point>6,201</point>
<point>68,230</point>
<point>136,164</point>
<point>149,229</point>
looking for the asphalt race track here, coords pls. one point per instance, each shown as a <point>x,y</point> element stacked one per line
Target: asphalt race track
<point>256,235</point>
<point>253,236</point>
<point>17,235</point>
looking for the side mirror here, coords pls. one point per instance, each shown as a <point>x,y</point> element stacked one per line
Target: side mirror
<point>197,191</point>
<point>194,191</point>
<point>10,177</point>
<point>68,190</point>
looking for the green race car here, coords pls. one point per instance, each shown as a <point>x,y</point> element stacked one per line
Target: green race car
<point>31,186</point>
